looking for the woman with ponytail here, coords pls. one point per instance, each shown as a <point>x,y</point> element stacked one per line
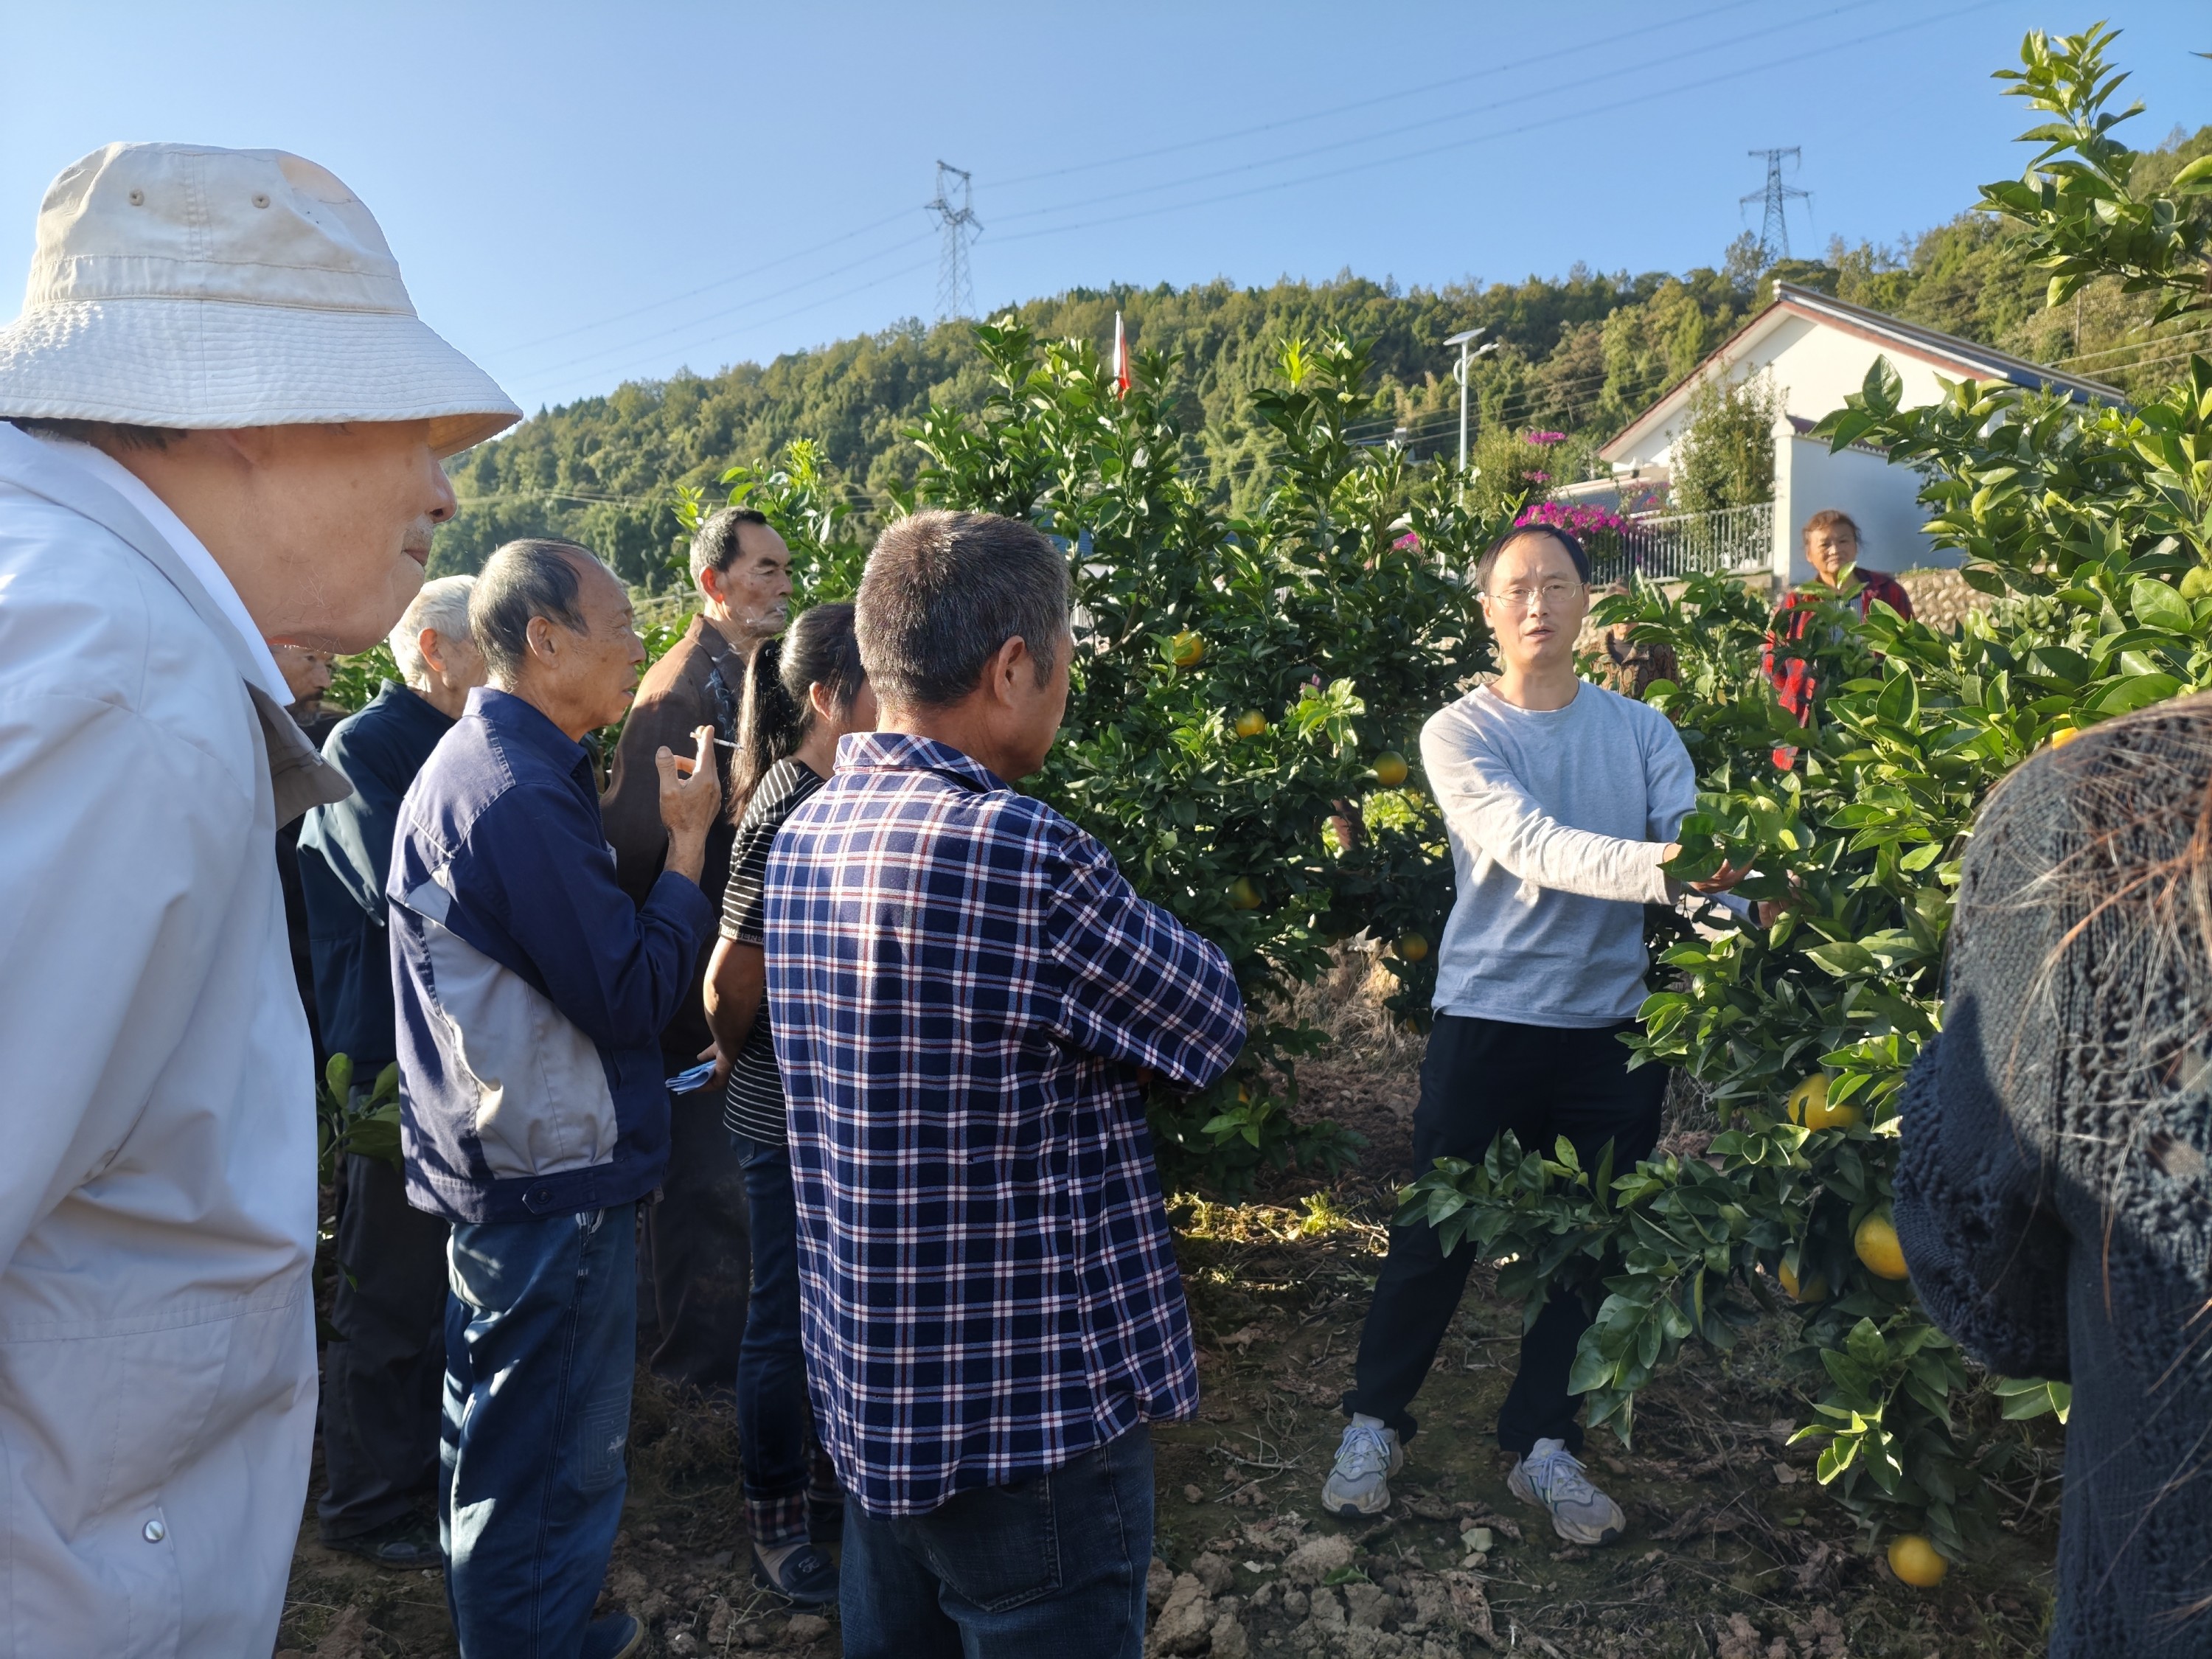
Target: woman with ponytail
<point>802,693</point>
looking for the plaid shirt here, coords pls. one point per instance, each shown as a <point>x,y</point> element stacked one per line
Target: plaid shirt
<point>962,989</point>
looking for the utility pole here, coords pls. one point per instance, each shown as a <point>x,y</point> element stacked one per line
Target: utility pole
<point>1463,340</point>
<point>1774,229</point>
<point>955,292</point>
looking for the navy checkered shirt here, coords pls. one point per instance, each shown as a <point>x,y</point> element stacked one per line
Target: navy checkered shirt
<point>962,990</point>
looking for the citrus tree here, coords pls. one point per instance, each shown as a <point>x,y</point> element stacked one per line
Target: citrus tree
<point>1248,689</point>
<point>2092,528</point>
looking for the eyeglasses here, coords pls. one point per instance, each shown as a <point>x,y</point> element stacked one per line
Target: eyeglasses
<point>1519,598</point>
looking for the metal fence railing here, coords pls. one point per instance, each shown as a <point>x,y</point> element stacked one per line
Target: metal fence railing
<point>1683,543</point>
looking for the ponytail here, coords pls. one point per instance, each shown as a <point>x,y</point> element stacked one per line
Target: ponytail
<point>775,712</point>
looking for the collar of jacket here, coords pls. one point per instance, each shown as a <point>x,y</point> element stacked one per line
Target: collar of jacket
<point>901,751</point>
<point>298,777</point>
<point>525,723</point>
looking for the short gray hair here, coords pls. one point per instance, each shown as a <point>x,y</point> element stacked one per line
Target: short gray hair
<point>442,605</point>
<point>523,579</point>
<point>715,546</point>
<point>943,592</point>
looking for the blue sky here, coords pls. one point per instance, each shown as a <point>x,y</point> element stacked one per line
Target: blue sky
<point>580,195</point>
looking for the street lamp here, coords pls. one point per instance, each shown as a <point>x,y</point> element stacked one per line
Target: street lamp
<point>1465,338</point>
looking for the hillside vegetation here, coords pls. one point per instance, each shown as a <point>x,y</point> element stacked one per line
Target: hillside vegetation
<point>1578,355</point>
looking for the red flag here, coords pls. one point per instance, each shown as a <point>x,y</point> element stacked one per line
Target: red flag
<point>1120,359</point>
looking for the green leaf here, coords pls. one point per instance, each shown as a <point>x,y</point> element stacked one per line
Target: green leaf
<point>1844,957</point>
<point>2158,606</point>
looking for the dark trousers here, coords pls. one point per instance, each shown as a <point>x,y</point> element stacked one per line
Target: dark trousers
<point>541,1335</point>
<point>1054,1566</point>
<point>697,1256</point>
<point>783,1465</point>
<point>383,1373</point>
<point>1480,1077</point>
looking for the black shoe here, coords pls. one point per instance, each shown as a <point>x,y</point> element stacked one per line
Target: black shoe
<point>808,1578</point>
<point>825,1519</point>
<point>402,1546</point>
<point>617,1636</point>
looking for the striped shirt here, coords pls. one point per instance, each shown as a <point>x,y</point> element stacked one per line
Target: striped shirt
<point>964,989</point>
<point>752,1106</point>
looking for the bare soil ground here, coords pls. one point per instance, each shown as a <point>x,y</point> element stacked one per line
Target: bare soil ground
<point>1733,1552</point>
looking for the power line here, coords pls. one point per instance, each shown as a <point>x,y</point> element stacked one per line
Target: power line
<point>704,288</point>
<point>1397,96</point>
<point>687,329</point>
<point>1671,91</point>
<point>1534,95</point>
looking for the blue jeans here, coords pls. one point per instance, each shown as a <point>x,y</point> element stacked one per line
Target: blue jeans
<point>1054,1565</point>
<point>541,1337</point>
<point>772,1414</point>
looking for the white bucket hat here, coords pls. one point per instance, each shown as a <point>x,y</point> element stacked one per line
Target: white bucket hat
<point>177,285</point>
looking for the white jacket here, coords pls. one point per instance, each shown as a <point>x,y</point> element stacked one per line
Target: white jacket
<point>157,1188</point>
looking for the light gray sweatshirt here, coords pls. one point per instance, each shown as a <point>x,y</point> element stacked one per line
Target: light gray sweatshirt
<point>1557,819</point>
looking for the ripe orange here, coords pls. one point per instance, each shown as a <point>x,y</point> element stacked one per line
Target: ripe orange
<point>1243,894</point>
<point>2064,735</point>
<point>1876,1243</point>
<point>1914,1559</point>
<point>1412,947</point>
<point>1390,768</point>
<point>1251,723</point>
<point>1187,649</point>
<point>1808,1105</point>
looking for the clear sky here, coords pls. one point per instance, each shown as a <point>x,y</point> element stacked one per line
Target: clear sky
<point>584,194</point>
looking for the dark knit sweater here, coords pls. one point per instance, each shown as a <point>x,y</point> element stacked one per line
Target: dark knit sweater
<point>2053,1189</point>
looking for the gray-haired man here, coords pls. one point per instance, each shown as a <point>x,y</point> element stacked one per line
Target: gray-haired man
<point>221,424</point>
<point>381,1371</point>
<point>532,995</point>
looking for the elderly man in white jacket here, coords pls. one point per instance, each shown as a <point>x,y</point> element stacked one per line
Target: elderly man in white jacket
<point>221,424</point>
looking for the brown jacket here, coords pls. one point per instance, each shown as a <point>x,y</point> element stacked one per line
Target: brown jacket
<point>672,700</point>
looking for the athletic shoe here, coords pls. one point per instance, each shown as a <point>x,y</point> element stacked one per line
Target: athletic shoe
<point>616,1635</point>
<point>1366,1458</point>
<point>807,1578</point>
<point>1581,1514</point>
<point>406,1545</point>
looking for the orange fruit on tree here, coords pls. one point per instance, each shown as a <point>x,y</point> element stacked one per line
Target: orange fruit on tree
<point>2064,735</point>
<point>1412,947</point>
<point>1243,894</point>
<point>1915,1560</point>
<point>1808,1105</point>
<point>1390,768</point>
<point>1815,1292</point>
<point>1251,723</point>
<point>1875,1241</point>
<point>1187,649</point>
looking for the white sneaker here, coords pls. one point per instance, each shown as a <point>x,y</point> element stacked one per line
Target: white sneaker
<point>1366,1458</point>
<point>1581,1514</point>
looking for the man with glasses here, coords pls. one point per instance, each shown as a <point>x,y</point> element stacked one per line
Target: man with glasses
<point>1561,800</point>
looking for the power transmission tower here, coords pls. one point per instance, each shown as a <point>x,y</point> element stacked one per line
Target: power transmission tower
<point>955,291</point>
<point>1774,230</point>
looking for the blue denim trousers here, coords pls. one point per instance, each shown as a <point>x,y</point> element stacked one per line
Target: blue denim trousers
<point>772,1412</point>
<point>1055,1566</point>
<point>541,1337</point>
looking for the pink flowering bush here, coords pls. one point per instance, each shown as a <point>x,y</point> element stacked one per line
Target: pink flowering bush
<point>1597,528</point>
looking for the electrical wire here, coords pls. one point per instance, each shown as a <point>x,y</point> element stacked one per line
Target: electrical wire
<point>1538,94</point>
<point>1398,95</point>
<point>1400,159</point>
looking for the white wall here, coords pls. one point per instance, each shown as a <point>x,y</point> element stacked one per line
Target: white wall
<point>1880,498</point>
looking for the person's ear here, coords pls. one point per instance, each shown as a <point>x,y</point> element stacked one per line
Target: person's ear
<point>817,698</point>
<point>431,649</point>
<point>1011,659</point>
<point>540,634</point>
<point>710,584</point>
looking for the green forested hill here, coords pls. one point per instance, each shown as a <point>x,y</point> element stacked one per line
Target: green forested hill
<point>1581,354</point>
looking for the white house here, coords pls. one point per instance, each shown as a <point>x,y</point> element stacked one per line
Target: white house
<point>1815,351</point>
